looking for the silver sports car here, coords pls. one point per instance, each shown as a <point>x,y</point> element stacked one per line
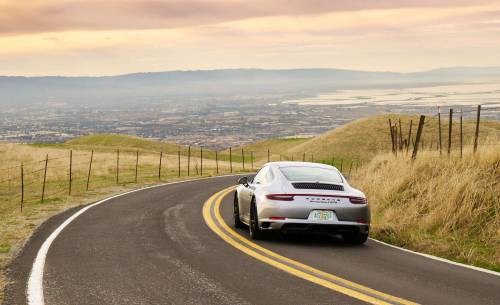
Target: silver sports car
<point>301,196</point>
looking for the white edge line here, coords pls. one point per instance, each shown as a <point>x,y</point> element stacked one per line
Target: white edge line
<point>444,260</point>
<point>34,289</point>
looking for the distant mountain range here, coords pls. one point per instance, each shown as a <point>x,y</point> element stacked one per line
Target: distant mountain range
<point>191,85</point>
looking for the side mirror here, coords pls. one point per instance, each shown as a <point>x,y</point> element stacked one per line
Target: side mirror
<point>243,180</point>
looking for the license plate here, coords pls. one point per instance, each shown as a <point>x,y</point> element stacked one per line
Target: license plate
<point>322,215</point>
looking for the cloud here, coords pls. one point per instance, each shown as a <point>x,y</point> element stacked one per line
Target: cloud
<point>74,38</point>
<point>37,16</point>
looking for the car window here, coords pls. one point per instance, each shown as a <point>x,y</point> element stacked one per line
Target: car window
<point>260,177</point>
<point>304,173</point>
<point>269,176</point>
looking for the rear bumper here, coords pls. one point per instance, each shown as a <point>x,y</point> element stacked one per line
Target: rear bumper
<point>337,226</point>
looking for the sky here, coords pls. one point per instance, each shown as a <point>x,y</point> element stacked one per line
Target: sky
<point>109,37</point>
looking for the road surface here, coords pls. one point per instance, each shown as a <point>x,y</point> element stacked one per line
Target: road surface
<point>175,244</point>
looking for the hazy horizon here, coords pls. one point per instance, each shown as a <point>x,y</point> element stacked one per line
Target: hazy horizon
<point>256,68</point>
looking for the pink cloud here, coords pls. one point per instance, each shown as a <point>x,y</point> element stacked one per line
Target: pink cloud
<point>55,15</point>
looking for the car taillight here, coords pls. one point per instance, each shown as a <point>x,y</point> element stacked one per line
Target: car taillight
<point>281,197</point>
<point>357,200</point>
<point>277,218</point>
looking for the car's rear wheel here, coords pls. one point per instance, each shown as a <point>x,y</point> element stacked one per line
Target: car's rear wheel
<point>355,238</point>
<point>255,231</point>
<point>236,213</point>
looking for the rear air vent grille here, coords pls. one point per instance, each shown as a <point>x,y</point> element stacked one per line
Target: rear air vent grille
<point>318,186</point>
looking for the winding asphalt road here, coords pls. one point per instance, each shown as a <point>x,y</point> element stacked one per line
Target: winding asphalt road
<point>154,247</point>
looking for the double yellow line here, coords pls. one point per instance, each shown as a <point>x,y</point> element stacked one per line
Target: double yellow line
<point>213,218</point>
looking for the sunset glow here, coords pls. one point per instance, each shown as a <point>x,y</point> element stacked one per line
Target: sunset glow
<point>57,37</point>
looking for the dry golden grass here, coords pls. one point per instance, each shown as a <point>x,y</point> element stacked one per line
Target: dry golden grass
<point>16,225</point>
<point>448,207</point>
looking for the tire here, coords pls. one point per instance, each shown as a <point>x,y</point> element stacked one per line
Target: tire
<point>236,213</point>
<point>255,231</point>
<point>355,238</point>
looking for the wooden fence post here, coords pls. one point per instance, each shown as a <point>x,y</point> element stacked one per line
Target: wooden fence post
<point>159,166</point>
<point>179,162</point>
<point>476,135</point>
<point>201,161</point>
<point>90,169</point>
<point>395,140</point>
<point>136,164</point>
<point>350,168</point>
<point>117,165</point>
<point>409,137</point>
<point>217,162</point>
<point>230,160</point>
<point>268,155</point>
<point>22,187</point>
<point>189,158</point>
<point>391,130</point>
<point>312,157</point>
<point>45,176</point>
<point>461,133</point>
<point>304,157</point>
<point>70,171</point>
<point>251,158</point>
<point>333,160</point>
<point>439,131</point>
<point>400,136</point>
<point>449,130</point>
<point>419,134</point>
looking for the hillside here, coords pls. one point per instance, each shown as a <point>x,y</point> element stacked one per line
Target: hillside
<point>364,138</point>
<point>447,207</point>
<point>125,142</point>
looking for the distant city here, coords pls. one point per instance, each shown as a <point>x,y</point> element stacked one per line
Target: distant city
<point>215,125</point>
<point>221,108</point>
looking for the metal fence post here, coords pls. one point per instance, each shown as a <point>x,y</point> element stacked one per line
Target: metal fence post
<point>230,160</point>
<point>136,164</point>
<point>189,158</point>
<point>70,171</point>
<point>22,187</point>
<point>159,166</point>
<point>461,133</point>
<point>45,176</point>
<point>439,130</point>
<point>90,169</point>
<point>449,131</point>
<point>117,165</point>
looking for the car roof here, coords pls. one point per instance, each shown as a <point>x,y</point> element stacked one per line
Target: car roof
<point>279,164</point>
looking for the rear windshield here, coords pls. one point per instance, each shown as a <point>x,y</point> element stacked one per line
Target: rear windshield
<point>304,173</point>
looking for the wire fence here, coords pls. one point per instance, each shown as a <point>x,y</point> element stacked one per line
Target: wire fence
<point>444,132</point>
<point>77,172</point>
